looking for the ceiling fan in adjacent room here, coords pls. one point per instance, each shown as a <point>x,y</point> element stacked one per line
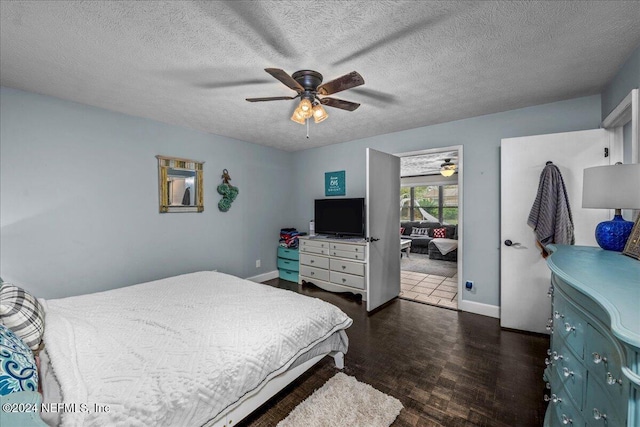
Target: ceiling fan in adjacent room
<point>447,168</point>
<point>308,85</point>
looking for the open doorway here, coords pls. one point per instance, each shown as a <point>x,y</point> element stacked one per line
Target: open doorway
<point>430,225</point>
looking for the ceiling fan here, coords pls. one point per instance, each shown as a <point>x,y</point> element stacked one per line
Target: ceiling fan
<point>308,85</point>
<point>447,168</point>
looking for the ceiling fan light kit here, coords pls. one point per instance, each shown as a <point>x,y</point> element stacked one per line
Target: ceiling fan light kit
<point>447,168</point>
<point>308,85</point>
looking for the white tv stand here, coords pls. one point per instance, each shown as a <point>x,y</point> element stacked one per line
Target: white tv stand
<point>334,264</point>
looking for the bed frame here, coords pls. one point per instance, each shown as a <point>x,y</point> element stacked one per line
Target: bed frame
<point>267,390</point>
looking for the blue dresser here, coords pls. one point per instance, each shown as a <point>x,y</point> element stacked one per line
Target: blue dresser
<point>593,365</point>
<point>288,264</point>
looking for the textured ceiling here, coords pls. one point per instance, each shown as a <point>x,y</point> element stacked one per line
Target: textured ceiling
<point>193,63</point>
<point>426,164</point>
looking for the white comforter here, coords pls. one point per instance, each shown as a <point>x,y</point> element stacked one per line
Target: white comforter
<point>177,351</point>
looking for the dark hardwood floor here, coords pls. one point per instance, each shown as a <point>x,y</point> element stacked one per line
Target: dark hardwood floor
<point>448,368</point>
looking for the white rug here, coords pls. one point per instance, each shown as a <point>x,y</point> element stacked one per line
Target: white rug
<point>344,401</point>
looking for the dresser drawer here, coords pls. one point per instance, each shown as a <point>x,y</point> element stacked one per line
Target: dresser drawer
<point>347,254</point>
<point>347,280</point>
<point>611,402</point>
<point>566,415</point>
<point>570,372</point>
<point>287,253</point>
<point>287,264</point>
<point>314,273</point>
<point>569,326</point>
<point>314,261</point>
<point>313,243</point>
<point>349,267</point>
<point>291,276</point>
<point>346,247</point>
<point>314,250</point>
<point>602,356</point>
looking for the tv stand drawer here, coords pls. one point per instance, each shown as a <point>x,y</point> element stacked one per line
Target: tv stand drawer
<point>347,247</point>
<point>347,254</point>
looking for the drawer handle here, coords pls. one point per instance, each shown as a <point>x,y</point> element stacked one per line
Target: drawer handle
<point>311,261</point>
<point>569,328</point>
<point>597,358</point>
<point>312,273</point>
<point>554,354</point>
<point>286,262</point>
<point>356,249</point>
<point>566,420</point>
<point>597,415</point>
<point>344,280</point>
<point>567,373</point>
<point>557,315</point>
<point>611,380</point>
<point>344,267</point>
<point>553,399</point>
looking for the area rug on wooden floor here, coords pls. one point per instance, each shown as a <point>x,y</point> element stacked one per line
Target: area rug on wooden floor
<point>420,263</point>
<point>344,401</point>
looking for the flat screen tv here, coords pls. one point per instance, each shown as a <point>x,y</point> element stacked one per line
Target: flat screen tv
<point>340,217</point>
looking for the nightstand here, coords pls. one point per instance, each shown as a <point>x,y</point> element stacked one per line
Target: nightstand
<point>288,264</point>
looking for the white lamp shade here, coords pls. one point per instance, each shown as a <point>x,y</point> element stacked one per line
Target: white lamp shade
<point>612,187</point>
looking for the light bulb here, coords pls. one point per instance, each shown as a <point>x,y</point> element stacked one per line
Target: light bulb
<point>305,108</point>
<point>319,114</point>
<point>297,117</point>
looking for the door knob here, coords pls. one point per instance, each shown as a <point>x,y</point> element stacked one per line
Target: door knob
<point>510,243</point>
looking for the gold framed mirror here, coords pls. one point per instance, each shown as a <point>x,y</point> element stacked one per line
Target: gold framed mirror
<point>180,185</point>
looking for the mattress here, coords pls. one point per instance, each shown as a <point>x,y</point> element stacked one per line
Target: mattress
<point>52,395</point>
<point>179,351</point>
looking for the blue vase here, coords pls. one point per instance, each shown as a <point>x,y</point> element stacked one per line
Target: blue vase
<point>612,235</point>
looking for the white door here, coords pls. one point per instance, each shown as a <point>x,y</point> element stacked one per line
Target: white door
<point>383,228</point>
<point>524,275</point>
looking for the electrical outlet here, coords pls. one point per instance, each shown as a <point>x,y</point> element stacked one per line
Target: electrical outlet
<point>257,263</point>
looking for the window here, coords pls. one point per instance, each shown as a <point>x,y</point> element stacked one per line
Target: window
<point>429,203</point>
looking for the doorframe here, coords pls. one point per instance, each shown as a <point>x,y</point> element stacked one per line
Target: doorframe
<point>460,263</point>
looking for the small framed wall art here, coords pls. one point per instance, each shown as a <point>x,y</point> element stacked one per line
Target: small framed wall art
<point>632,248</point>
<point>334,183</point>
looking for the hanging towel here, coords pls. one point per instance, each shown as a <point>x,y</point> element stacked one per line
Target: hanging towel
<point>186,198</point>
<point>550,215</point>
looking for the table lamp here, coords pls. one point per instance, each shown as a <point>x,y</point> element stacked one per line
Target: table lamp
<point>612,187</point>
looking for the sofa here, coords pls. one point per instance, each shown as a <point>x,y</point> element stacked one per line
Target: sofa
<point>422,240</point>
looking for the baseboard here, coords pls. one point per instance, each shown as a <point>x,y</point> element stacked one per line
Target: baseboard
<point>264,276</point>
<point>480,308</point>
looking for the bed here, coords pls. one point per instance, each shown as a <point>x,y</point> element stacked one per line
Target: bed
<point>201,349</point>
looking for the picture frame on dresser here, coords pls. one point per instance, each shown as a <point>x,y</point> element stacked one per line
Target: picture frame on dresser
<point>632,248</point>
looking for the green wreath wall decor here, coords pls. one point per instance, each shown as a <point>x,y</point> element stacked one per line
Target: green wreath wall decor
<point>228,192</point>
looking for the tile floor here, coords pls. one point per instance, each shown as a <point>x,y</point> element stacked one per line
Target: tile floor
<point>429,288</point>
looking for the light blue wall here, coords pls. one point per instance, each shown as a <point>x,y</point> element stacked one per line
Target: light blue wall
<point>79,199</point>
<point>627,78</point>
<point>480,137</point>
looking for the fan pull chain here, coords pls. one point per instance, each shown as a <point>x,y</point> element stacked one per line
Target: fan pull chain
<point>307,120</point>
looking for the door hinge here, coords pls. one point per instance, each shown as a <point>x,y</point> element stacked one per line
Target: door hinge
<point>606,151</point>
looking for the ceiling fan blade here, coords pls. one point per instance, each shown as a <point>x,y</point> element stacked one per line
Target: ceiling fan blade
<point>345,82</point>
<point>285,78</point>
<point>339,103</point>
<point>273,98</point>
